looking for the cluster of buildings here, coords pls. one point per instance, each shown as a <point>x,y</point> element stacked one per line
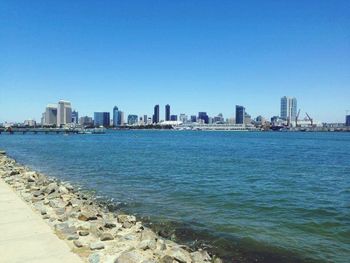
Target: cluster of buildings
<point>62,115</point>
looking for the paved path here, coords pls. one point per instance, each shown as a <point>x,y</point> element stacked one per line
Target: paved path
<point>24,235</point>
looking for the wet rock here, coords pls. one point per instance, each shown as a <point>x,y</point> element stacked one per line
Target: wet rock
<point>200,256</point>
<point>97,246</point>
<point>77,243</point>
<point>106,237</point>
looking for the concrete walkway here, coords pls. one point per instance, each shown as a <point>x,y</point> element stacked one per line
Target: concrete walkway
<point>24,235</point>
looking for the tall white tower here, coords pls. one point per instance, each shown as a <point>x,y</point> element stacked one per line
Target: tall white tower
<point>64,113</point>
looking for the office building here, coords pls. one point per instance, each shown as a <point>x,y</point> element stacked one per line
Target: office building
<point>121,120</point>
<point>101,119</point>
<point>203,116</point>
<point>347,120</point>
<point>288,109</point>
<point>64,113</point>
<point>75,117</point>
<point>173,117</point>
<point>132,119</point>
<point>193,118</point>
<point>50,116</point>
<point>145,119</point>
<point>156,114</point>
<point>86,121</point>
<point>115,116</point>
<point>167,112</point>
<point>240,114</point>
<point>183,118</point>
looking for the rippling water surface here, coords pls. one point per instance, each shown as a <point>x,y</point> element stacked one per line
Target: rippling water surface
<point>265,197</point>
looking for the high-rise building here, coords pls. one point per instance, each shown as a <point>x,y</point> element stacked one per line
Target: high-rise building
<point>50,117</point>
<point>173,117</point>
<point>203,116</point>
<point>288,108</point>
<point>156,114</point>
<point>101,119</point>
<point>121,118</point>
<point>167,112</point>
<point>183,118</point>
<point>75,117</point>
<point>193,118</point>
<point>115,116</point>
<point>347,120</point>
<point>240,114</point>
<point>132,119</point>
<point>64,113</point>
<point>145,120</point>
<point>86,121</point>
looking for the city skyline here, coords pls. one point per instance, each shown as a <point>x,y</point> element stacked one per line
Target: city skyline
<point>195,56</point>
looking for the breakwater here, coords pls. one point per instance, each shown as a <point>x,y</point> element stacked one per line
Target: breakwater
<point>91,230</point>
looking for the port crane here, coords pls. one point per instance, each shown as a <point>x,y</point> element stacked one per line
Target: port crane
<point>310,119</point>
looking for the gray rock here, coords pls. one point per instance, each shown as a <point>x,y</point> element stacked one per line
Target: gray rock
<point>94,258</point>
<point>77,243</point>
<point>110,225</point>
<point>63,190</point>
<point>73,237</point>
<point>87,216</point>
<point>52,187</point>
<point>148,234</point>
<point>166,259</point>
<point>97,246</point>
<point>106,236</point>
<point>147,244</point>
<point>200,256</point>
<point>133,256</point>
<point>83,233</point>
<point>66,229</point>
<point>180,255</point>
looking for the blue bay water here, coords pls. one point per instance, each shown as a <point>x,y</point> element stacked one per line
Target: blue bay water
<point>251,196</point>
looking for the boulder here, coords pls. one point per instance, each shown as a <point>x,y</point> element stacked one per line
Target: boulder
<point>87,216</point>
<point>83,233</point>
<point>106,236</point>
<point>97,246</point>
<point>200,256</point>
<point>180,255</point>
<point>147,244</point>
<point>77,243</point>
<point>133,256</point>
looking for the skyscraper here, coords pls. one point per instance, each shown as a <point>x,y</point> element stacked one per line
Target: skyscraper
<point>203,116</point>
<point>240,114</point>
<point>132,119</point>
<point>50,116</point>
<point>347,120</point>
<point>64,113</point>
<point>156,114</point>
<point>75,117</point>
<point>288,108</point>
<point>101,119</point>
<point>167,112</point>
<point>115,116</point>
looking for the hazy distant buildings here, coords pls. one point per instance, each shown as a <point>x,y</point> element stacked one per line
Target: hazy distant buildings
<point>75,117</point>
<point>156,114</point>
<point>132,119</point>
<point>288,108</point>
<point>193,118</point>
<point>101,119</point>
<point>183,118</point>
<point>203,116</point>
<point>347,120</point>
<point>240,114</point>
<point>64,113</point>
<point>145,119</point>
<point>50,115</point>
<point>167,112</point>
<point>86,121</point>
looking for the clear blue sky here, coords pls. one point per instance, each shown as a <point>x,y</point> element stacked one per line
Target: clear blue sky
<point>195,55</point>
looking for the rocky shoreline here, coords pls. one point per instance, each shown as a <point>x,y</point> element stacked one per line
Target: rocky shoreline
<point>92,231</point>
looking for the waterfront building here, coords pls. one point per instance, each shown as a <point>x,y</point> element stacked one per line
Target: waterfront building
<point>173,117</point>
<point>145,119</point>
<point>240,114</point>
<point>64,113</point>
<point>75,117</point>
<point>115,116</point>
<point>132,119</point>
<point>247,118</point>
<point>288,109</point>
<point>193,118</point>
<point>203,116</point>
<point>347,120</point>
<point>121,120</point>
<point>101,119</point>
<point>86,121</point>
<point>156,114</point>
<point>30,123</point>
<point>167,112</point>
<point>260,120</point>
<point>50,117</point>
<point>183,118</point>
<point>218,119</point>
